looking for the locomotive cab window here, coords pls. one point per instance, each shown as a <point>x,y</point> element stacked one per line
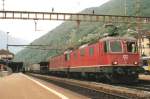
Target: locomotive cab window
<point>115,46</point>
<point>131,47</point>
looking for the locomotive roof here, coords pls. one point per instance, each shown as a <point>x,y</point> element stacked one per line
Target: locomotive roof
<point>118,38</point>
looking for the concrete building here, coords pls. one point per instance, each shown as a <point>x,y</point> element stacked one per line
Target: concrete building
<point>145,46</point>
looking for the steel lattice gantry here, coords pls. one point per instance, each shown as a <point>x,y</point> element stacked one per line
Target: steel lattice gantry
<point>72,17</point>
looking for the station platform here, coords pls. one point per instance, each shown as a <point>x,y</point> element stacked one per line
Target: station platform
<point>144,77</point>
<point>20,86</point>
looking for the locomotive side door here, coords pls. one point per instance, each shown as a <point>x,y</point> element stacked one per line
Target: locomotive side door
<point>67,61</point>
<point>103,51</point>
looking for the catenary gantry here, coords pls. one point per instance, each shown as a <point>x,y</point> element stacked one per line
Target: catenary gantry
<point>27,15</point>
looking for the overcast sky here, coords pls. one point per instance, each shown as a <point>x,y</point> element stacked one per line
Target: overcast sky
<point>25,29</point>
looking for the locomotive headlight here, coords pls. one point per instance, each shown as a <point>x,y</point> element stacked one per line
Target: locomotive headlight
<point>135,63</point>
<point>115,63</point>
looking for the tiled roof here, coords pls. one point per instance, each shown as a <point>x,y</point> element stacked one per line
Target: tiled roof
<point>5,52</point>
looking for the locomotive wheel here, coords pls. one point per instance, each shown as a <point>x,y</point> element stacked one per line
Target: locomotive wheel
<point>110,78</point>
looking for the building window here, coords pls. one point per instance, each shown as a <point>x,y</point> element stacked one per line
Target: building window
<point>143,46</point>
<point>91,51</point>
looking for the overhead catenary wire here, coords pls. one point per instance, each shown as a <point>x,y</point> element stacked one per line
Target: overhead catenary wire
<point>34,47</point>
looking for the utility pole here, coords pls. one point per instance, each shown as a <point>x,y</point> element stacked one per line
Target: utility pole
<point>139,36</point>
<point>3,5</point>
<point>35,21</point>
<point>7,59</point>
<point>7,41</point>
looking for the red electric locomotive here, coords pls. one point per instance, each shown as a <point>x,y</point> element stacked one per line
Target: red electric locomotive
<point>113,58</point>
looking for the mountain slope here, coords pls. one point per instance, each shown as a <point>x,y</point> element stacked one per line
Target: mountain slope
<point>68,34</point>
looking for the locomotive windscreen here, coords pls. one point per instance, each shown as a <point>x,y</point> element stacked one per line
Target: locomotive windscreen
<point>115,46</point>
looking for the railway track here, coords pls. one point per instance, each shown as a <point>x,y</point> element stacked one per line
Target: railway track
<point>96,90</point>
<point>142,85</point>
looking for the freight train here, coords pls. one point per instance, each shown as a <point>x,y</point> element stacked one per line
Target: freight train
<point>113,59</point>
<point>40,68</point>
